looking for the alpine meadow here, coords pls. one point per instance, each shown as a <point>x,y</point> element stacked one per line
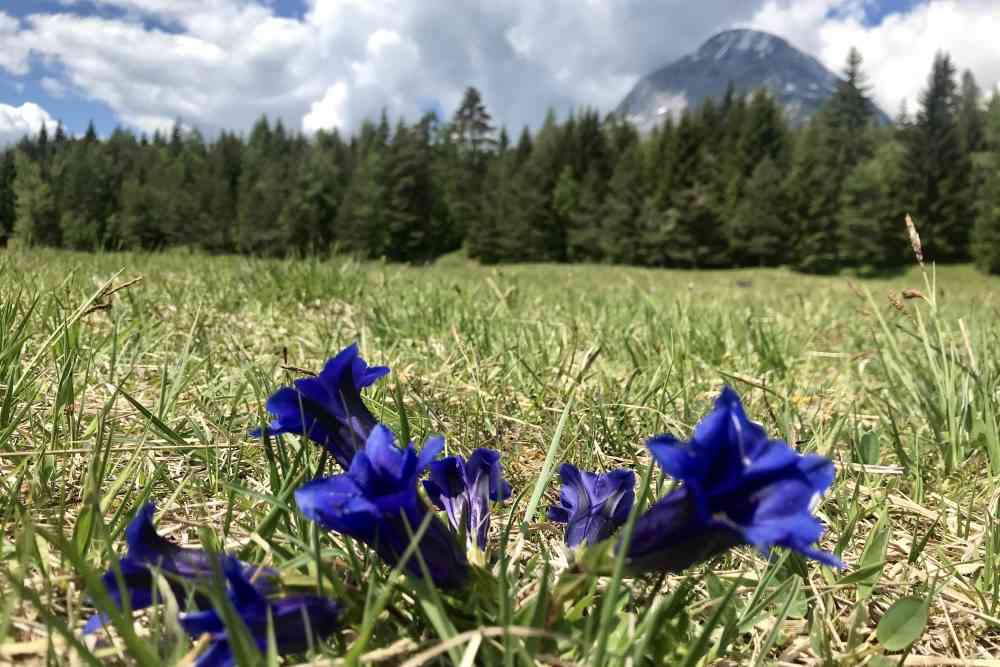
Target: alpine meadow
<point>134,378</point>
<point>709,379</point>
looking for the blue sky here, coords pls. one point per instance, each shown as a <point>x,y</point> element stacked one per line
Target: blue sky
<point>875,12</point>
<point>332,63</point>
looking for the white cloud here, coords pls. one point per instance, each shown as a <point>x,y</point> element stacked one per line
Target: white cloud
<point>16,122</point>
<point>224,62</point>
<point>329,112</point>
<point>899,51</point>
<point>14,53</point>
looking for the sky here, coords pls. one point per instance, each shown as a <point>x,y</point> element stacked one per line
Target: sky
<point>324,64</point>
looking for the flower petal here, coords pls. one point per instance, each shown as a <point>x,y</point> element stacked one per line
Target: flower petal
<point>671,536</point>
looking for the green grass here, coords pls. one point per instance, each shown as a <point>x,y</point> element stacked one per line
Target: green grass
<point>148,393</point>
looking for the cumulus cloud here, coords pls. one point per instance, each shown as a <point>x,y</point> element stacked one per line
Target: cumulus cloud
<point>329,112</point>
<point>898,51</point>
<point>221,64</point>
<point>16,122</point>
<point>14,54</point>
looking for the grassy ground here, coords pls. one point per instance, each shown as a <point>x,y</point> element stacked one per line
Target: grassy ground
<point>149,391</point>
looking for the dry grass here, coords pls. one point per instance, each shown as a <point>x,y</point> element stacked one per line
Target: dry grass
<point>488,357</point>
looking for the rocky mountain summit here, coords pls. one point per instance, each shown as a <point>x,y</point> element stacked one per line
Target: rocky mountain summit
<point>749,59</point>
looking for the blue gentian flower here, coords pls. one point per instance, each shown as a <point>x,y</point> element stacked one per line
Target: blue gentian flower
<point>377,502</point>
<point>464,489</point>
<point>148,549</point>
<point>328,408</point>
<point>299,621</point>
<point>592,505</point>
<point>739,487</point>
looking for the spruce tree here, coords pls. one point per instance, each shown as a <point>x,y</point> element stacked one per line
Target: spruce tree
<point>849,112</point>
<point>361,227</point>
<point>534,233</point>
<point>584,233</point>
<point>8,212</point>
<point>410,206</point>
<point>622,242</point>
<point>761,219</point>
<point>472,139</point>
<point>939,170</point>
<point>482,241</point>
<point>986,234</point>
<point>139,222</point>
<point>813,203</point>
<point>84,197</point>
<point>991,124</point>
<point>971,119</point>
<point>873,235</point>
<point>763,136</point>
<point>36,216</point>
<point>985,246</point>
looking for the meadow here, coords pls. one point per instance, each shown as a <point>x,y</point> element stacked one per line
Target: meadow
<point>132,377</point>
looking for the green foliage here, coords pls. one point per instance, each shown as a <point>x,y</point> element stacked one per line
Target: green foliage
<point>986,234</point>
<point>724,185</point>
<point>812,197</point>
<point>760,226</point>
<point>938,169</point>
<point>903,623</point>
<point>36,221</point>
<point>103,409</point>
<point>873,236</point>
<point>8,210</point>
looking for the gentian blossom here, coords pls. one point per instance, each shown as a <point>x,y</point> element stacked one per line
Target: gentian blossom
<point>464,489</point>
<point>376,502</point>
<point>739,487</point>
<point>328,408</point>
<point>298,621</point>
<point>148,549</point>
<point>592,505</point>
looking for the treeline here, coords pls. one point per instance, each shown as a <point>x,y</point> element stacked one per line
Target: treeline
<point>728,184</point>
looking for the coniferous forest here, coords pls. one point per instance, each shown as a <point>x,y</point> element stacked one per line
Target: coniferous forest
<point>728,184</point>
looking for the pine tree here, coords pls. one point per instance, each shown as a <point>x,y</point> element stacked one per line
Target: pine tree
<point>36,221</point>
<point>623,205</point>
<point>410,208</point>
<point>763,136</point>
<point>986,234</point>
<point>361,227</point>
<point>682,222</point>
<point>849,112</point>
<point>985,245</point>
<point>971,119</point>
<point>584,234</point>
<point>761,219</point>
<point>84,197</point>
<point>873,236</point>
<point>991,124</point>
<point>215,193</point>
<point>8,212</point>
<point>814,203</point>
<point>499,201</point>
<point>939,170</point>
<point>534,233</point>
<point>265,177</point>
<point>566,197</point>
<point>139,223</point>
<point>472,137</point>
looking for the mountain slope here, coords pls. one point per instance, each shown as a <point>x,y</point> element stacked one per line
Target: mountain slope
<point>750,59</point>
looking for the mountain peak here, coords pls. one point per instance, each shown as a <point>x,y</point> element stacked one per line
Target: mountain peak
<point>739,42</point>
<point>747,59</point>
